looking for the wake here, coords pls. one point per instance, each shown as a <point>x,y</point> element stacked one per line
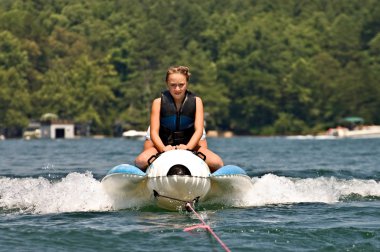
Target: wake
<point>272,189</point>
<point>81,192</point>
<point>75,193</point>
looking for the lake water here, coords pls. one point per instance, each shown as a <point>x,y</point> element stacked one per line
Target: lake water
<point>308,195</point>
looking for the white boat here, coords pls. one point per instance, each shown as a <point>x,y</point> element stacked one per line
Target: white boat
<point>350,127</point>
<point>372,131</point>
<point>354,127</point>
<point>173,179</point>
<point>134,134</point>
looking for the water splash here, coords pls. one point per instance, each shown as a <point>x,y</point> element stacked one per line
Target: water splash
<point>272,189</point>
<point>82,192</point>
<point>75,192</point>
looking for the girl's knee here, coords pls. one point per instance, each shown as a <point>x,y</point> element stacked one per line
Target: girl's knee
<point>220,163</point>
<point>141,160</point>
<point>217,163</point>
<point>212,160</point>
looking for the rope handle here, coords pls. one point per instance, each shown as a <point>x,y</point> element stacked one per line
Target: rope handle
<point>200,154</point>
<point>153,157</point>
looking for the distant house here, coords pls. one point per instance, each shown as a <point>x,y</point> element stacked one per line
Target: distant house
<point>54,129</point>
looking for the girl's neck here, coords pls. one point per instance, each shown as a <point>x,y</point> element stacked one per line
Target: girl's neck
<point>178,103</point>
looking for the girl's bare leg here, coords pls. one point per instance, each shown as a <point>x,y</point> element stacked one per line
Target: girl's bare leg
<point>141,160</point>
<point>212,160</point>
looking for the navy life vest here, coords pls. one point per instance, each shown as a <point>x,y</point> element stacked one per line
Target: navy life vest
<point>177,127</point>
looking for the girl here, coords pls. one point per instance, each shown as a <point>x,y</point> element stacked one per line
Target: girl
<point>176,121</point>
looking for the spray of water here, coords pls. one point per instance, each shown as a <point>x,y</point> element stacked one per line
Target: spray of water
<point>272,189</point>
<point>82,192</point>
<point>75,192</point>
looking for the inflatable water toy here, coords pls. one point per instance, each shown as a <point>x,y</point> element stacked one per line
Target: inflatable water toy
<point>173,179</point>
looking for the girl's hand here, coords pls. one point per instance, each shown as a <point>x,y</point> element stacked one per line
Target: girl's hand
<point>168,148</point>
<point>181,147</point>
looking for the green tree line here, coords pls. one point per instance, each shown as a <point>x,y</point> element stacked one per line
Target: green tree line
<point>261,67</point>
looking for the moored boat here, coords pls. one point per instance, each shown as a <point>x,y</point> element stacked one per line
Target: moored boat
<point>349,127</point>
<point>372,131</point>
<point>354,127</point>
<point>134,134</point>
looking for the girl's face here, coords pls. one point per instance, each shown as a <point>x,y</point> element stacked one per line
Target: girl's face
<point>177,85</point>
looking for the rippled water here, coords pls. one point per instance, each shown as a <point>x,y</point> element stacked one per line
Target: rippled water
<point>308,195</point>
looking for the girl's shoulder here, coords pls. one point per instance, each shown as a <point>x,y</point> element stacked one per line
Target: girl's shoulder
<point>156,103</point>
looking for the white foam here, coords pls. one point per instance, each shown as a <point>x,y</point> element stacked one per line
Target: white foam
<point>82,192</point>
<point>75,192</point>
<point>272,189</point>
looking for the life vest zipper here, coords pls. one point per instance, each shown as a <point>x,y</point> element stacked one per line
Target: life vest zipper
<point>178,117</point>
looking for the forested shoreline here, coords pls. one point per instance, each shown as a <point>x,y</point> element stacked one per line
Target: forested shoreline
<point>261,67</point>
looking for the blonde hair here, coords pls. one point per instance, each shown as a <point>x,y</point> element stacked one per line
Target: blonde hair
<point>178,69</point>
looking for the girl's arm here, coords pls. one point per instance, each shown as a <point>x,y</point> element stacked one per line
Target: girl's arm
<point>198,125</point>
<point>155,127</point>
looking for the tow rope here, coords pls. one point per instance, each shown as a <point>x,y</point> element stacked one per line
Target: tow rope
<point>189,208</point>
<point>193,202</point>
<point>204,226</point>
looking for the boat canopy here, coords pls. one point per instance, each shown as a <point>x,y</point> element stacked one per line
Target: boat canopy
<point>48,117</point>
<point>353,119</point>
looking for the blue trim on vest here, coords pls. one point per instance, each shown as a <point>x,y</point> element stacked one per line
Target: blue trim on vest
<point>169,122</point>
<point>229,170</point>
<point>126,169</point>
<point>185,122</point>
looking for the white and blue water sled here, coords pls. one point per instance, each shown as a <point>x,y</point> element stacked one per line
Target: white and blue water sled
<point>173,179</point>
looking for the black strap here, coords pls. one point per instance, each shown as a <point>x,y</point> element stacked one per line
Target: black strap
<point>153,157</point>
